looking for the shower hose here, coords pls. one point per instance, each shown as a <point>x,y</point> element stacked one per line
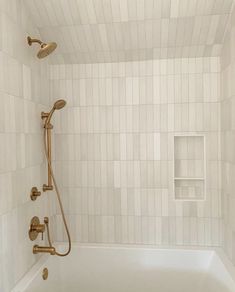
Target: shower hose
<point>59,201</point>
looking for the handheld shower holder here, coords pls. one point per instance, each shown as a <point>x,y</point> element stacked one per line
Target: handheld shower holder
<point>44,115</point>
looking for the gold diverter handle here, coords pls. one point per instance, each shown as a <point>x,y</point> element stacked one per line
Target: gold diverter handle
<point>35,193</point>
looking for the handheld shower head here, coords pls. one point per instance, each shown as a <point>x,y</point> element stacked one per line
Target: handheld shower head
<point>59,104</point>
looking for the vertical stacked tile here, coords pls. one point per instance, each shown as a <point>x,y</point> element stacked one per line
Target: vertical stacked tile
<point>23,94</point>
<point>114,149</point>
<point>228,139</point>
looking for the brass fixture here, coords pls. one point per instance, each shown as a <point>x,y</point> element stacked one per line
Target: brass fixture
<point>59,104</point>
<point>45,50</point>
<point>34,193</point>
<point>36,228</point>
<point>45,274</point>
<point>44,249</point>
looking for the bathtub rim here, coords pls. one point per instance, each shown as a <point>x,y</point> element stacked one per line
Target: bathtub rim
<point>29,276</point>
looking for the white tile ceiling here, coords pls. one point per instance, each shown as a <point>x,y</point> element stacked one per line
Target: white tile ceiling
<point>91,31</point>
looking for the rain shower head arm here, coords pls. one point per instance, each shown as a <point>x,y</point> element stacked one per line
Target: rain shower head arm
<point>31,40</point>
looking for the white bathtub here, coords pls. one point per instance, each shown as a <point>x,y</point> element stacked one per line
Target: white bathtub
<point>135,269</point>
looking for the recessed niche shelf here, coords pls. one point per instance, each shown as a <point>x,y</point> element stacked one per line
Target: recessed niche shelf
<point>189,167</point>
<point>189,178</point>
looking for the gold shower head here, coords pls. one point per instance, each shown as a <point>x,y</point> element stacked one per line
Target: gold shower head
<point>45,50</point>
<point>59,104</point>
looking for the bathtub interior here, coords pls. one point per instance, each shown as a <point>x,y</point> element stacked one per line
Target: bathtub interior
<point>116,269</point>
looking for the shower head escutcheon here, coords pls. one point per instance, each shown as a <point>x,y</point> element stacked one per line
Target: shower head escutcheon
<point>45,49</point>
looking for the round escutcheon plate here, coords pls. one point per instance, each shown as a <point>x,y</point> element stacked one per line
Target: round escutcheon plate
<point>32,232</point>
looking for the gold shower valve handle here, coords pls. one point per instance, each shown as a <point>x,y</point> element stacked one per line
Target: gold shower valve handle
<point>34,193</point>
<point>35,228</point>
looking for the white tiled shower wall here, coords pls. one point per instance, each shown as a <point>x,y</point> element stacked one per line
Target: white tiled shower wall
<point>114,150</point>
<point>24,92</point>
<point>228,138</point>
<point>114,154</point>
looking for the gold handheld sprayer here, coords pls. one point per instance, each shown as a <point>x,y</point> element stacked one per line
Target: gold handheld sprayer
<point>59,104</point>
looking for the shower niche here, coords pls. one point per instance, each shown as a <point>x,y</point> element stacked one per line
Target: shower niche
<point>189,167</point>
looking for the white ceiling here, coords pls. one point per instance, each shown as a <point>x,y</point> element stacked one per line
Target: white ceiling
<point>93,31</point>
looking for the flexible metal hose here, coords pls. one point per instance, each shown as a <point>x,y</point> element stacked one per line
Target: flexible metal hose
<point>60,203</point>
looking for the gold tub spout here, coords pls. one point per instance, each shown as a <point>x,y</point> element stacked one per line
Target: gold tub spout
<point>44,249</point>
